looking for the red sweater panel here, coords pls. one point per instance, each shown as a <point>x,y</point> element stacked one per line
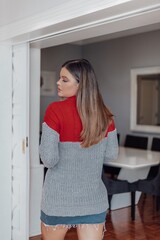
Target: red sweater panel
<point>63,117</point>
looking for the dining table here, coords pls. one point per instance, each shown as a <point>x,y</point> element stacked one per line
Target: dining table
<point>134,164</point>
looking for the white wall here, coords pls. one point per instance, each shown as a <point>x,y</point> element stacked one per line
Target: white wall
<point>112,61</point>
<point>22,20</point>
<point>16,10</point>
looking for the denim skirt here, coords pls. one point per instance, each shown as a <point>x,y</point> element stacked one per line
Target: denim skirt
<point>76,220</point>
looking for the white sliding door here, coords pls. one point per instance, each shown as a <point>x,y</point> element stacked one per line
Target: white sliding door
<point>5,140</point>
<point>36,169</point>
<point>20,136</point>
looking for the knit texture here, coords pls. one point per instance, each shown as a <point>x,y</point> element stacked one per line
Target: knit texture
<point>73,184</point>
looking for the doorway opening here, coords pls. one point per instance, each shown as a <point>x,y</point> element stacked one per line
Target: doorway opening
<point>106,54</point>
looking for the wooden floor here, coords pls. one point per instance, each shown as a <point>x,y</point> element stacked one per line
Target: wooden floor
<point>120,227</point>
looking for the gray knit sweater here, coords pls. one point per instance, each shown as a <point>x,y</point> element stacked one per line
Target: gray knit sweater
<point>73,184</point>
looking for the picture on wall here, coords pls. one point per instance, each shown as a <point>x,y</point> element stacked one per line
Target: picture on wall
<point>48,83</point>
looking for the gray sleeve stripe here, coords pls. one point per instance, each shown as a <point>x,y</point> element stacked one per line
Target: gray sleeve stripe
<point>49,129</point>
<point>112,146</point>
<point>48,149</point>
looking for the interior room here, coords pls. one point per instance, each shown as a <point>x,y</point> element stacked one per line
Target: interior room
<point>113,59</point>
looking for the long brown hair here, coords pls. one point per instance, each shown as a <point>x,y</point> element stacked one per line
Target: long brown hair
<point>95,116</point>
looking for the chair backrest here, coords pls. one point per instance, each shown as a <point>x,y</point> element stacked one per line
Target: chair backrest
<point>150,186</point>
<point>154,170</point>
<point>155,144</point>
<point>118,137</point>
<point>136,141</point>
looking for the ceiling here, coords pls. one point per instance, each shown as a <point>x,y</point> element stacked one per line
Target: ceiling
<point>134,17</point>
<point>138,30</point>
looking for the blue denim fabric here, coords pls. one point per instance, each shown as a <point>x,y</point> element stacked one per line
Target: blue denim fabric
<point>87,219</point>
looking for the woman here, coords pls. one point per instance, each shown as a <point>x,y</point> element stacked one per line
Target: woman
<point>78,136</point>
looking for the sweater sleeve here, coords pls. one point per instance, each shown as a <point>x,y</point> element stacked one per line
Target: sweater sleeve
<point>51,117</point>
<point>112,143</point>
<point>48,149</point>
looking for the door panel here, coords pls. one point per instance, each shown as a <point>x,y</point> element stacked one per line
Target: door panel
<point>20,134</point>
<point>5,140</point>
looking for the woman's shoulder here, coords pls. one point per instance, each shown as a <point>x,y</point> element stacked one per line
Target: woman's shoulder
<point>63,102</point>
<point>55,106</point>
<point>111,127</point>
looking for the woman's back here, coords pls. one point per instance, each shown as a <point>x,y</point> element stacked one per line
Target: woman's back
<point>74,185</point>
<point>78,136</point>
